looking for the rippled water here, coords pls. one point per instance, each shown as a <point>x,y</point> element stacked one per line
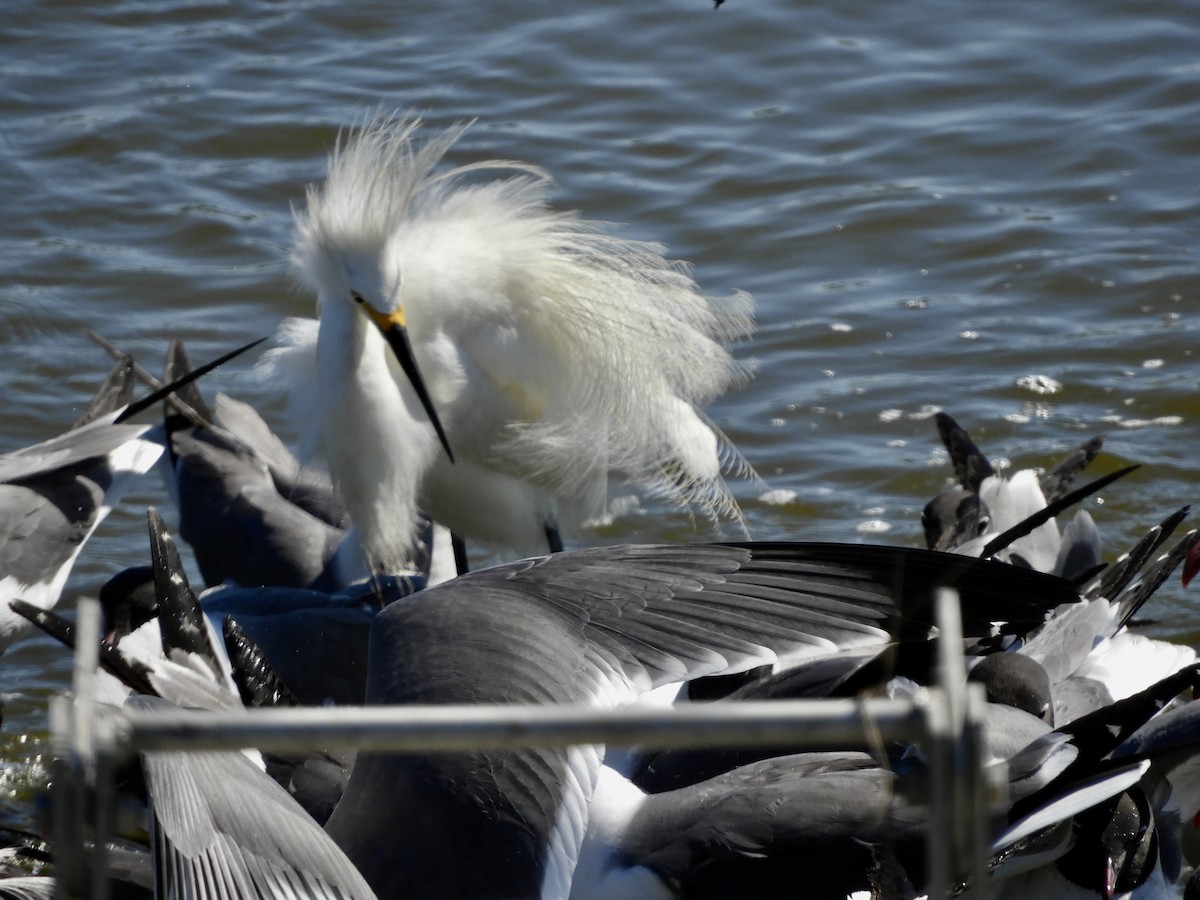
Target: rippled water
<point>990,209</point>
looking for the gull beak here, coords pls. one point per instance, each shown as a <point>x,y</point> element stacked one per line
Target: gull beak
<point>396,334</point>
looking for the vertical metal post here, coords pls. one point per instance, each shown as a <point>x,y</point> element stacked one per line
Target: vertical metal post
<point>938,745</point>
<point>72,722</point>
<point>104,808</point>
<point>952,678</point>
<point>66,809</point>
<point>957,795</point>
<point>978,792</point>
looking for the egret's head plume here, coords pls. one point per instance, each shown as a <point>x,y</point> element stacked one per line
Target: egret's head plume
<point>552,349</point>
<point>343,234</point>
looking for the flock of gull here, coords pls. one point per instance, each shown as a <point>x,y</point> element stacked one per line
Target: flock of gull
<point>479,368</point>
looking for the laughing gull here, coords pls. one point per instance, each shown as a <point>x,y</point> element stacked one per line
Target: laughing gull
<point>1082,658</point>
<point>983,504</point>
<point>222,828</point>
<point>1091,656</point>
<point>601,626</point>
<point>315,641</point>
<point>175,654</point>
<point>172,654</point>
<point>1089,652</point>
<point>54,494</point>
<point>250,512</point>
<point>1127,844</point>
<point>833,823</point>
<point>853,827</point>
<point>1172,785</point>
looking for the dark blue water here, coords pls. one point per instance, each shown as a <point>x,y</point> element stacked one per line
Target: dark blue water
<point>987,209</point>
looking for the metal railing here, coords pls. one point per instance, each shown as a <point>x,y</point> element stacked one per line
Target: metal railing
<point>90,740</point>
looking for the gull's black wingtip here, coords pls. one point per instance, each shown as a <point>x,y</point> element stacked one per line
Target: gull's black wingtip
<point>990,591</point>
<point>195,409</point>
<point>132,673</point>
<point>115,393</point>
<point>179,614</point>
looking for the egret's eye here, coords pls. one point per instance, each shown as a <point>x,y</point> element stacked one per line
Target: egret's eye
<point>357,297</point>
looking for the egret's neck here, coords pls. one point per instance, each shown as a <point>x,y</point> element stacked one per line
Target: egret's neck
<point>377,439</point>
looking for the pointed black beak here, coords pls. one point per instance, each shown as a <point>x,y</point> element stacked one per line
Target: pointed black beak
<point>396,335</point>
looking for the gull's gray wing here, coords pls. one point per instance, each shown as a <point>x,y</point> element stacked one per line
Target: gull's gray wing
<point>599,626</point>
<point>821,820</point>
<point>308,488</point>
<point>237,522</point>
<point>971,466</point>
<point>249,511</point>
<point>82,445</point>
<point>222,828</point>
<point>27,887</point>
<point>49,512</point>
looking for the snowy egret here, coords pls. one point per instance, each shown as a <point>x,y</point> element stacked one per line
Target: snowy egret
<point>531,351</point>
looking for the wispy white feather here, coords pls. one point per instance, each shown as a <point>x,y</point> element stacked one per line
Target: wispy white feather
<point>554,350</point>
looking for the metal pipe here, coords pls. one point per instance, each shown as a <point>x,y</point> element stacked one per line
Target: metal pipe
<point>815,724</point>
<point>944,719</point>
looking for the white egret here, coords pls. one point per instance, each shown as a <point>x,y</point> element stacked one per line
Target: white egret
<point>531,351</point>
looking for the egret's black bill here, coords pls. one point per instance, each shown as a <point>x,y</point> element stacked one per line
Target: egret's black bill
<point>397,337</point>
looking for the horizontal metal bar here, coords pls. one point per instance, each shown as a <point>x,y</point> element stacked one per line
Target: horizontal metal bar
<point>812,724</point>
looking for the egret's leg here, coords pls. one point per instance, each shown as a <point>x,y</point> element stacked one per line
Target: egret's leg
<point>460,553</point>
<point>553,538</point>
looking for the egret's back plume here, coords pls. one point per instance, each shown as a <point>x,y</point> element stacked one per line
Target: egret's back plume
<point>552,351</point>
